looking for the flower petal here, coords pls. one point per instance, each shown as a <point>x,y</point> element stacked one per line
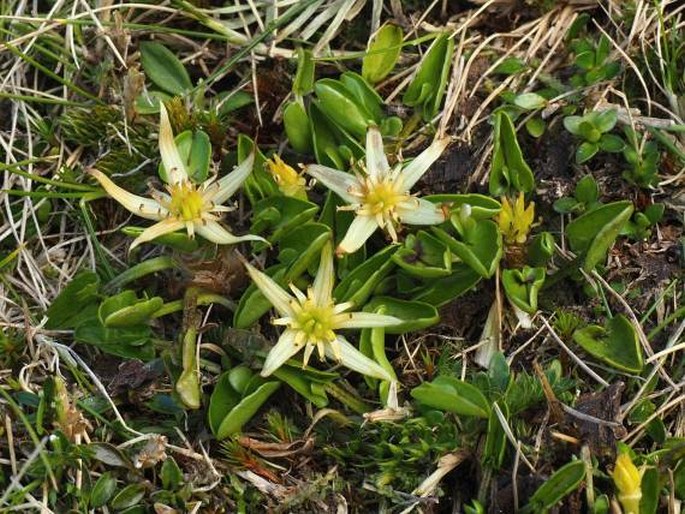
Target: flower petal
<point>214,232</point>
<point>339,182</point>
<point>366,320</point>
<point>166,226</point>
<point>376,162</point>
<point>322,289</point>
<point>171,158</point>
<point>284,349</point>
<point>144,207</point>
<point>360,230</point>
<point>271,290</point>
<point>229,184</point>
<point>423,213</point>
<point>355,360</point>
<point>416,168</point>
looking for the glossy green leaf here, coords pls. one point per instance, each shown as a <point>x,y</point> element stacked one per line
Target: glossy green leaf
<point>303,83</point>
<point>522,285</point>
<point>453,395</point>
<point>427,88</point>
<point>384,50</point>
<point>562,482</point>
<point>338,105</point>
<point>103,490</point>
<point>259,184</point>
<point>586,190</point>
<point>358,285</point>
<point>245,410</point>
<point>481,248</point>
<point>424,255</point>
<point>164,69</point>
<point>129,496</point>
<point>509,171</point>
<point>363,94</point>
<point>195,150</point>
<point>594,232</point>
<point>239,378</point>
<point>65,312</point>
<point>126,310</point>
<point>414,315</point>
<point>275,216</point>
<point>541,249</point>
<point>306,383</point>
<point>223,399</point>
<point>130,343</point>
<point>297,127</point>
<point>611,143</point>
<point>586,151</point>
<point>440,291</point>
<point>616,344</point>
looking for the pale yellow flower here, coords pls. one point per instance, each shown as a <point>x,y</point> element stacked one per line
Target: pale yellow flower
<point>197,208</point>
<point>313,319</point>
<point>381,197</point>
<point>515,221</point>
<point>288,180</point>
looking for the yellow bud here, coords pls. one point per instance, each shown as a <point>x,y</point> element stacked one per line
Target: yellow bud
<point>516,220</point>
<point>289,181</point>
<point>627,479</point>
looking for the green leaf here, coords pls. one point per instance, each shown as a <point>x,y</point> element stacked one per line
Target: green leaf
<point>65,312</point>
<point>541,249</point>
<point>586,151</point>
<point>562,482</point>
<point>363,94</point>
<point>586,190</point>
<point>303,83</point>
<point>651,490</point>
<point>424,255</point>
<point>536,126</point>
<point>424,90</point>
<point>594,232</point>
<point>481,248</point>
<point>103,490</point>
<point>509,171</point>
<point>129,496</point>
<point>243,412</point>
<point>495,441</point>
<point>616,344</point>
<point>522,285</point>
<point>126,310</point>
<point>606,120</point>
<point>130,343</point>
<point>230,101</point>
<point>195,150</point>
<point>297,127</point>
<point>177,240</point>
<point>414,315</point>
<point>511,66</point>
<point>358,285</point>
<point>452,395</point>
<point>164,69</point>
<point>306,383</point>
<point>337,104</point>
<point>384,50</point>
<point>611,143</point>
<point>530,101</point>
<point>223,399</point>
<point>275,216</point>
<point>171,475</point>
<point>440,291</point>
<point>572,124</point>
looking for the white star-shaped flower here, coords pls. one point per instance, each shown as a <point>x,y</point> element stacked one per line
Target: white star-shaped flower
<point>197,208</point>
<point>381,196</point>
<point>312,319</point>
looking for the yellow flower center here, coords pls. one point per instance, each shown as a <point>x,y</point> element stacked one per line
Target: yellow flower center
<point>381,197</point>
<point>187,202</point>
<point>315,321</point>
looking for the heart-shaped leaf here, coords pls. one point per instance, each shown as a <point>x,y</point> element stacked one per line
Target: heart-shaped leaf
<point>616,344</point>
